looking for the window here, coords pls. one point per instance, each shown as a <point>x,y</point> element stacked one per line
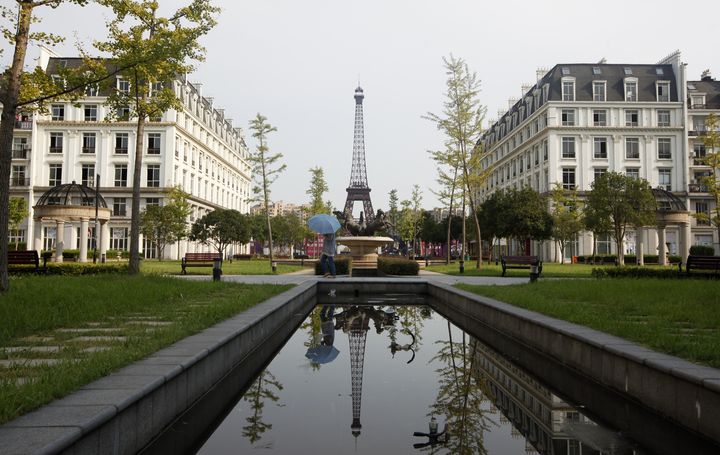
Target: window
<point>55,175</point>
<point>121,174</point>
<point>598,90</point>
<point>545,151</point>
<point>628,71</point>
<point>599,117</point>
<point>123,113</point>
<point>121,143</point>
<point>90,111</point>
<point>663,90</point>
<point>17,176</point>
<point>152,201</point>
<point>119,238</point>
<point>697,101</point>
<point>596,70</point>
<point>633,172</point>
<point>88,143</point>
<point>565,70</point>
<point>665,179</point>
<point>663,117</point>
<point>119,206</point>
<point>631,86</point>
<point>600,148</point>
<point>632,148</point>
<point>698,154</point>
<point>664,148</point>
<point>632,117</point>
<point>568,174</point>
<point>49,235</point>
<point>123,86</point>
<point>92,90</point>
<point>568,117</point>
<point>58,112</point>
<point>599,171</point>
<point>568,90</point>
<point>88,175</point>
<point>153,175</point>
<point>568,147</point>
<point>702,213</point>
<point>659,71</point>
<point>56,142</point>
<point>153,144</point>
<point>155,88</point>
<point>698,123</point>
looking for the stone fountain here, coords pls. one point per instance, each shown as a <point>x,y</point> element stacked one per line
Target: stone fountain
<point>362,243</point>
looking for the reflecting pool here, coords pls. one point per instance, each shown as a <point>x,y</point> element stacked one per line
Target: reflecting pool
<point>384,379</point>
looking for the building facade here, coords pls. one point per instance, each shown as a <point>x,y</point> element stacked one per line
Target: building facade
<point>582,120</point>
<point>196,148</point>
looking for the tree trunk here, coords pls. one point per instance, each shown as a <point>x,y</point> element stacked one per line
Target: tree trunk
<point>134,265</point>
<point>9,100</point>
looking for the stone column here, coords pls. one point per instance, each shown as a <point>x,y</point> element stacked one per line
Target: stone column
<point>37,243</point>
<point>83,239</point>
<point>685,240</point>
<point>662,248</point>
<point>59,240</point>
<point>639,251</point>
<point>104,240</point>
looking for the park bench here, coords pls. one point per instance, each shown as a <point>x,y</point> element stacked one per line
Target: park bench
<point>520,262</point>
<point>27,258</point>
<point>710,265</point>
<point>198,260</point>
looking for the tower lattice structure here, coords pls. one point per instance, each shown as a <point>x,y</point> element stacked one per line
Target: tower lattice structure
<point>357,337</point>
<point>358,189</point>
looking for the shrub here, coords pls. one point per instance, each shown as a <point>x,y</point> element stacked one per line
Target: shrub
<point>343,266</point>
<point>634,272</point>
<point>702,250</point>
<point>398,266</point>
<point>85,268</point>
<point>71,254</point>
<point>21,246</point>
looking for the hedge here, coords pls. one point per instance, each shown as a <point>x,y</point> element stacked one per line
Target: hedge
<point>397,266</point>
<point>343,266</point>
<point>74,268</point>
<point>702,250</point>
<point>635,272</point>
<point>629,259</point>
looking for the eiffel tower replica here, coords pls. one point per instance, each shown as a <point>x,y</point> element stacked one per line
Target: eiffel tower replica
<point>358,189</point>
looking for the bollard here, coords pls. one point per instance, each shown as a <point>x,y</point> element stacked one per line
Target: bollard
<point>103,258</point>
<point>462,266</point>
<point>274,266</point>
<point>534,273</point>
<point>217,270</point>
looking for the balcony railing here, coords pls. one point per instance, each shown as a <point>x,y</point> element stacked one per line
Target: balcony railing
<point>23,124</point>
<point>19,181</point>
<point>697,188</point>
<point>121,151</point>
<point>20,154</point>
<point>56,150</point>
<point>153,151</point>
<point>90,150</point>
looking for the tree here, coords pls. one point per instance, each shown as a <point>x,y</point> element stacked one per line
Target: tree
<point>493,221</point>
<point>566,216</point>
<point>289,230</point>
<point>461,121</point>
<point>165,224</point>
<point>264,173</point>
<point>527,216</point>
<point>18,212</point>
<point>711,141</point>
<point>410,219</point>
<point>624,201</point>
<point>448,181</point>
<point>318,187</point>
<point>221,228</point>
<point>20,89</point>
<point>155,50</point>
<point>393,212</point>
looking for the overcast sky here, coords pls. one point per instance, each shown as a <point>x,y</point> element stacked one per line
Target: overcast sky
<point>298,63</point>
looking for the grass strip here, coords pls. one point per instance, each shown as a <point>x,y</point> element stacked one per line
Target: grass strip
<point>550,270</point>
<point>252,267</point>
<point>678,317</point>
<point>143,313</point>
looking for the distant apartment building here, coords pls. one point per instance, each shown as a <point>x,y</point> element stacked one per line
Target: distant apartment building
<point>195,147</point>
<point>282,208</point>
<point>581,120</point>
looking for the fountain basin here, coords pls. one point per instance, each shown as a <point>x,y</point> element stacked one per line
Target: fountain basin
<point>363,250</point>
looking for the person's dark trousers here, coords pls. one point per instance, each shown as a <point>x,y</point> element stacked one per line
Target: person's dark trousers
<point>325,262</point>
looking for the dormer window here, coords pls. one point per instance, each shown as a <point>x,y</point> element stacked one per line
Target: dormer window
<point>123,86</point>
<point>596,70</point>
<point>662,90</point>
<point>628,71</point>
<point>565,70</point>
<point>697,101</point>
<point>631,89</point>
<point>568,89</point>
<point>599,90</point>
<point>659,71</point>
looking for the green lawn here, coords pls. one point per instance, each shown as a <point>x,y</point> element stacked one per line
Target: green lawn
<point>253,267</point>
<point>136,315</point>
<point>678,317</point>
<point>550,270</point>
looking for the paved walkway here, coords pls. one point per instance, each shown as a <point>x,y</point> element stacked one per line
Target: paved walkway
<point>304,275</point>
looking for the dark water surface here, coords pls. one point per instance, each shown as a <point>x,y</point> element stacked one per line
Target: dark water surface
<point>363,379</point>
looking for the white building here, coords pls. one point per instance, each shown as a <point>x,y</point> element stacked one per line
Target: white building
<point>195,147</point>
<point>581,120</point>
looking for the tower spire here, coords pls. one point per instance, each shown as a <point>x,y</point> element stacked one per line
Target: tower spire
<point>358,189</point>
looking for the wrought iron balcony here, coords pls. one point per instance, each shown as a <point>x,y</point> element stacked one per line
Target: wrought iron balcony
<point>20,154</point>
<point>19,181</point>
<point>23,124</point>
<point>697,188</point>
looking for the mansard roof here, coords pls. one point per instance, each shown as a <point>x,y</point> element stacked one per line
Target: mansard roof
<point>711,89</point>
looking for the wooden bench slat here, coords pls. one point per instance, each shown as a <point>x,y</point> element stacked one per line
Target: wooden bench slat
<point>198,260</point>
<point>29,257</point>
<point>520,262</point>
<point>707,263</point>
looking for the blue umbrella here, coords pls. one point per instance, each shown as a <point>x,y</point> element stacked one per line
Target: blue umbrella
<point>323,224</point>
<point>322,354</point>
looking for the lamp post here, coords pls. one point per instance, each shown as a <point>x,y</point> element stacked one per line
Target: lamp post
<point>97,222</point>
